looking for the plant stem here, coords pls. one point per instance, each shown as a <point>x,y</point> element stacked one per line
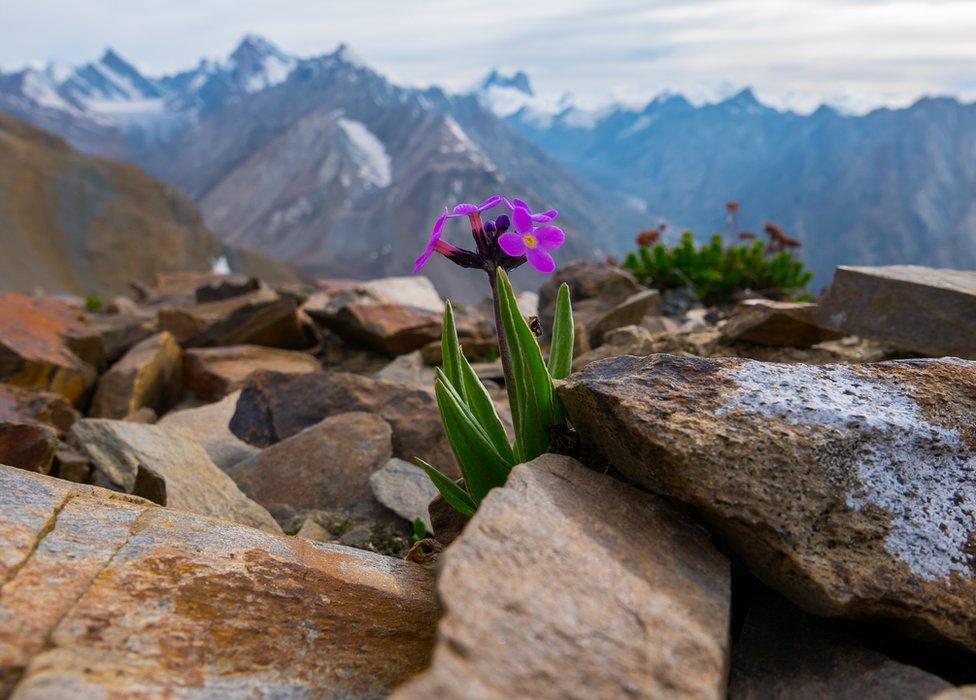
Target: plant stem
<point>503,350</point>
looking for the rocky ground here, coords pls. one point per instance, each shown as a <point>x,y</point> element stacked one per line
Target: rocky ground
<point>209,491</point>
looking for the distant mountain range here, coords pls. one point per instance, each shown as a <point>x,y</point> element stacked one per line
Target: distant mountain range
<point>324,163</point>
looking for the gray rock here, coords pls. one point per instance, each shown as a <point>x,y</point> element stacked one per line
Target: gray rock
<point>405,489</point>
<point>209,426</point>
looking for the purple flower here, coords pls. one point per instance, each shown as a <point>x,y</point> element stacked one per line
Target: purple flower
<point>435,240</point>
<point>533,243</point>
<point>541,217</point>
<point>465,209</point>
<point>435,244</point>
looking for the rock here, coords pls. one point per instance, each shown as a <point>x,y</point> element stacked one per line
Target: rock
<point>209,426</point>
<point>528,303</point>
<point>45,407</point>
<point>415,291</point>
<point>28,446</point>
<point>226,287</point>
<point>274,406</point>
<point>33,351</point>
<point>785,654</point>
<point>149,375</point>
<point>766,322</point>
<point>877,461</point>
<point>966,692</point>
<point>311,530</point>
<point>212,373</point>
<point>929,311</point>
<point>325,467</point>
<point>629,312</point>
<point>258,318</point>
<point>108,596</point>
<point>201,287</point>
<point>120,451</point>
<point>71,465</point>
<point>405,489</point>
<point>446,523</point>
<point>408,369</point>
<point>588,280</point>
<point>392,329</point>
<point>568,583</point>
<point>474,348</point>
<point>107,337</point>
<point>144,415</point>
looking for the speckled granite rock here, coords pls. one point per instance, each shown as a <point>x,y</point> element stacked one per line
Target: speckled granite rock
<point>107,596</point>
<point>849,488</point>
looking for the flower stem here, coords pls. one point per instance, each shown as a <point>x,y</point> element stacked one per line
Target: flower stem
<point>503,350</point>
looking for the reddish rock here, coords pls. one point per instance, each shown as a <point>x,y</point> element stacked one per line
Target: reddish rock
<point>326,468</point>
<point>212,373</point>
<point>274,406</point>
<point>570,584</point>
<point>392,329</point>
<point>848,488</point>
<point>45,407</point>
<point>28,446</point>
<point>34,353</point>
<point>108,596</point>
<point>148,376</point>
<point>786,323</point>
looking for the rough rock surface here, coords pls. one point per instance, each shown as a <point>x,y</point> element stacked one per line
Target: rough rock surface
<point>33,350</point>
<point>28,446</point>
<point>326,467</point>
<point>568,583</point>
<point>209,426</point>
<point>148,376</point>
<point>392,329</point>
<point>274,406</point>
<point>587,279</point>
<point>630,311</point>
<point>849,488</point>
<point>404,488</point>
<point>44,407</point>
<point>785,654</point>
<point>416,291</point>
<point>126,453</point>
<point>927,310</point>
<point>107,596</point>
<point>766,322</point>
<point>212,373</point>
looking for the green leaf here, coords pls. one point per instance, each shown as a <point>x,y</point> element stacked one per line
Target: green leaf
<point>481,465</point>
<point>456,497</point>
<point>483,409</point>
<point>561,350</point>
<point>530,390</point>
<point>451,348</point>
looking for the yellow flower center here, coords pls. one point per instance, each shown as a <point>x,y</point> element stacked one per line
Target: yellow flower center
<point>529,240</point>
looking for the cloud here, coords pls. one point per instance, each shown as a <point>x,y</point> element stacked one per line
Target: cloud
<point>859,52</point>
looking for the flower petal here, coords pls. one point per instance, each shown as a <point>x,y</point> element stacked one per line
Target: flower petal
<point>490,202</point>
<point>520,203</point>
<point>549,237</point>
<point>522,220</point>
<point>512,244</point>
<point>465,209</point>
<point>540,260</point>
<point>435,237</point>
<point>542,217</point>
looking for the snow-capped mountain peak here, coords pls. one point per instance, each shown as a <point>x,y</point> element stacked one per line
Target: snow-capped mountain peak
<point>517,81</point>
<point>257,64</point>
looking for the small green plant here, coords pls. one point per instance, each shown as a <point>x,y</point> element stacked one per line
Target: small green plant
<point>93,303</point>
<point>716,271</point>
<point>475,432</point>
<point>419,531</point>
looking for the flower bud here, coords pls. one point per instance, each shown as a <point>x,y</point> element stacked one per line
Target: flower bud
<point>502,223</point>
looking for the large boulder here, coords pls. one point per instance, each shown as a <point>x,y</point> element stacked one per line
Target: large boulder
<point>212,373</point>
<point>167,465</point>
<point>325,468</point>
<point>274,406</point>
<point>767,322</point>
<point>208,425</point>
<point>926,310</point>
<point>849,488</point>
<point>783,653</point>
<point>106,595</point>
<point>34,352</point>
<point>568,583</point>
<point>150,375</point>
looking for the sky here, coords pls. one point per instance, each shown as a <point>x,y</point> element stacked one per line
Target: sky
<point>854,54</point>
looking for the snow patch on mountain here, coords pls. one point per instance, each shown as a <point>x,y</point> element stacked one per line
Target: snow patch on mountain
<point>368,152</point>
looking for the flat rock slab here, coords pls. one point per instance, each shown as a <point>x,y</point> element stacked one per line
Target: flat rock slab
<point>851,489</point>
<point>568,583</point>
<point>777,323</point>
<point>127,454</point>
<point>150,375</point>
<point>930,311</point>
<point>274,406</point>
<point>34,353</point>
<point>212,373</point>
<point>405,489</point>
<point>326,467</point>
<point>208,425</point>
<point>785,654</point>
<point>108,596</point>
<point>392,329</point>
